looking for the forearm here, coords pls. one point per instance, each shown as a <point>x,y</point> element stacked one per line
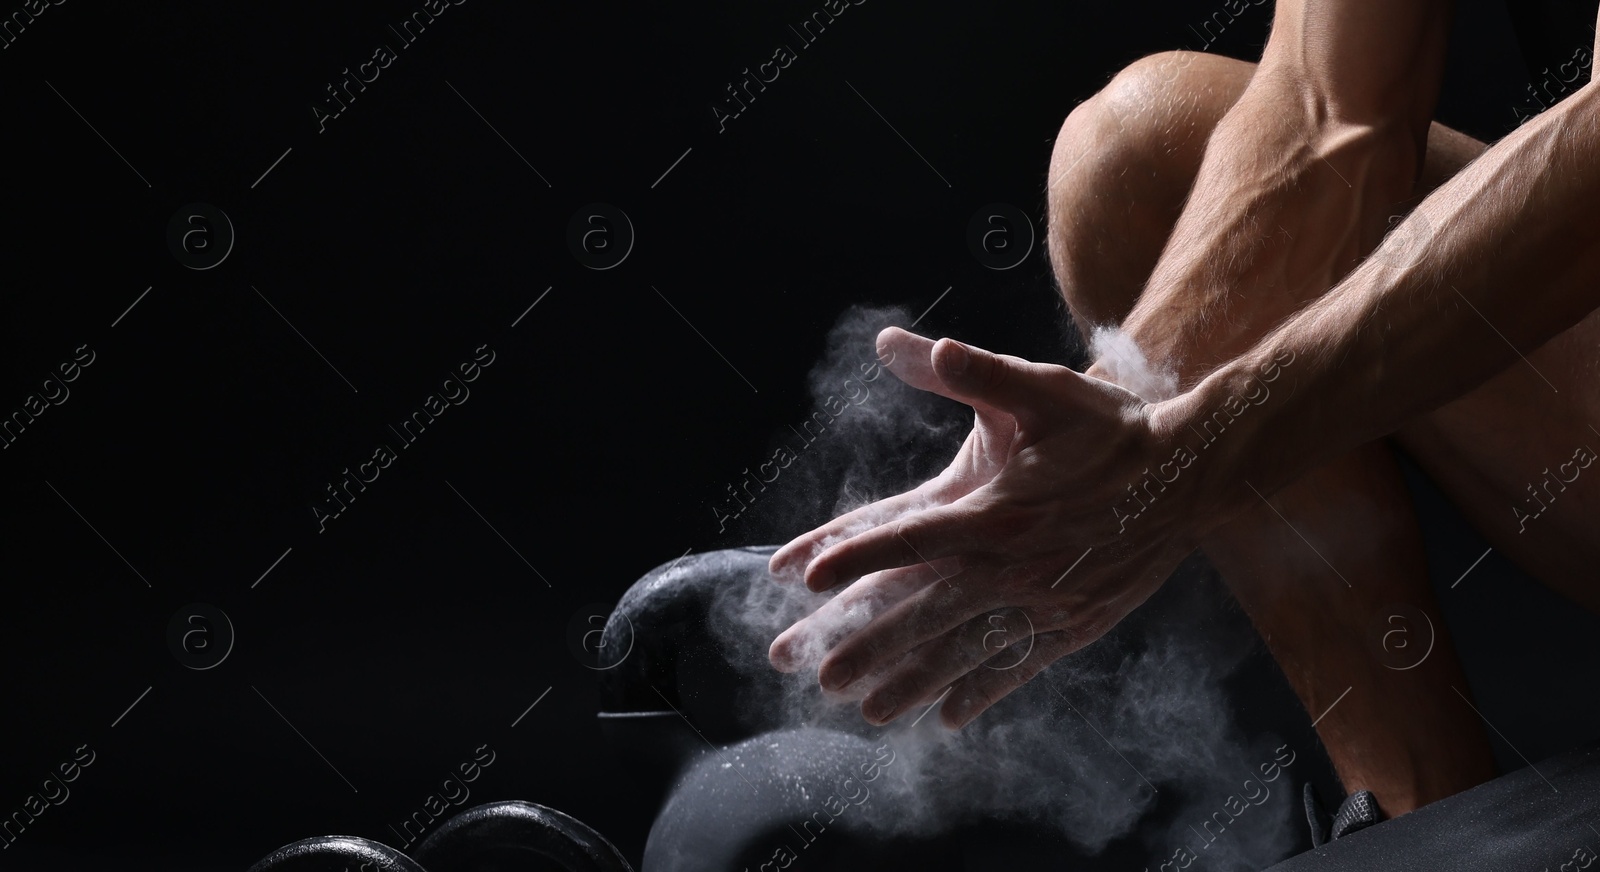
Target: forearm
<point>1284,205</point>
<point>1298,182</point>
<point>1508,256</point>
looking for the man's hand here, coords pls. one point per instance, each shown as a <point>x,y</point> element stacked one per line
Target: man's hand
<point>1032,515</point>
<point>910,358</point>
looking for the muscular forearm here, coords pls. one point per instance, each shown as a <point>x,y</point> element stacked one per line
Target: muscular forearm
<point>1507,255</point>
<point>1292,192</point>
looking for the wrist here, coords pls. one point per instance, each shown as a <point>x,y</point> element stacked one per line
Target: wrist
<point>1220,428</point>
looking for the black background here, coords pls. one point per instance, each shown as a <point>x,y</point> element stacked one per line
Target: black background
<point>407,234</point>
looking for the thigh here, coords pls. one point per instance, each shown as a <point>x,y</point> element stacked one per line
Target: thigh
<point>1515,456</point>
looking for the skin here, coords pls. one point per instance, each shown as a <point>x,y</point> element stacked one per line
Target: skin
<point>1331,570</point>
<point>1323,142</point>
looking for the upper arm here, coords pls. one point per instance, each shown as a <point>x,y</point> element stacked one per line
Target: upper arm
<point>1361,62</point>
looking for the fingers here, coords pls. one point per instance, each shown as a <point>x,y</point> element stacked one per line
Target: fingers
<point>977,377</point>
<point>924,673</point>
<point>926,614</point>
<point>982,687</point>
<point>792,558</point>
<point>915,359</point>
<point>941,531</point>
<point>803,645</point>
<point>909,357</point>
<point>912,361</point>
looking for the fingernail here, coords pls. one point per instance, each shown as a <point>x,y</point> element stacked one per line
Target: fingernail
<point>880,710</point>
<point>821,580</point>
<point>837,677</point>
<point>958,359</point>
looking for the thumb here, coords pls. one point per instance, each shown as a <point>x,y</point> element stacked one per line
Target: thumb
<point>909,357</point>
<point>1001,381</point>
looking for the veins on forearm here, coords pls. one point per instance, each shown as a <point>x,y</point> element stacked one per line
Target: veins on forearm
<point>1282,208</point>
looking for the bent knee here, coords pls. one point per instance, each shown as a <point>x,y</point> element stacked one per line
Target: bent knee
<point>1161,106</point>
<point>1121,169</point>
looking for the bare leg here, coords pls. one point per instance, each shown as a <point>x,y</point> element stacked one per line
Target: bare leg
<point>1515,455</point>
<point>1322,565</point>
